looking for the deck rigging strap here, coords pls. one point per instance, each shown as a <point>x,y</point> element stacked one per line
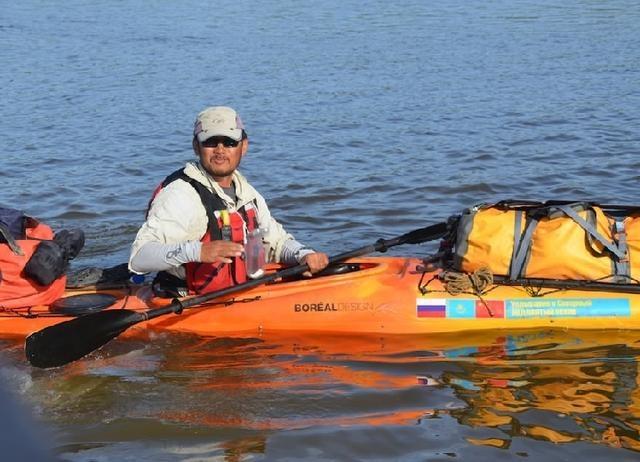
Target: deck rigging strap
<point>571,284</point>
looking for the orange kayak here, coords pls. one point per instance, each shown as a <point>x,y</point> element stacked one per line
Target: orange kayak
<point>390,295</point>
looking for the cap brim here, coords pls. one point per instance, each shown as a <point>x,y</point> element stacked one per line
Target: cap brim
<point>233,133</point>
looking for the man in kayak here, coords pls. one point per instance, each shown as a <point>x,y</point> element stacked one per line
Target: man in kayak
<point>200,217</point>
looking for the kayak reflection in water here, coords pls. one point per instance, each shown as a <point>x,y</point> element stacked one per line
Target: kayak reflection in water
<point>548,386</point>
<point>206,227</point>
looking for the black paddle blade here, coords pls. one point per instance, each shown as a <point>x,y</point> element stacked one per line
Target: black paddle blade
<point>71,340</point>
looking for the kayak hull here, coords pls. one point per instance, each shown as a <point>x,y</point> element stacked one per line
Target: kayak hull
<point>389,295</point>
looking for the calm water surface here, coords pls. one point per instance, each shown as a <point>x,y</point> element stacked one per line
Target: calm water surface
<point>364,122</point>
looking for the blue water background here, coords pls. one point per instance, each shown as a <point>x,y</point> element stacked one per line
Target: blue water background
<point>366,120</point>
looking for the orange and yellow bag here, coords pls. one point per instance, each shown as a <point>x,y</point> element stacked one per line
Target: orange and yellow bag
<point>578,241</point>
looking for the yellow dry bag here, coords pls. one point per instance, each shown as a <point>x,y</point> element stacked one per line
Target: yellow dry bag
<point>554,240</point>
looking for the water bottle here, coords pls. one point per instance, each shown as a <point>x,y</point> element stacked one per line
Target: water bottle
<point>254,254</point>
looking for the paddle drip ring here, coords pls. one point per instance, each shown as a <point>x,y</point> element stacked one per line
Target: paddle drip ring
<point>476,282</point>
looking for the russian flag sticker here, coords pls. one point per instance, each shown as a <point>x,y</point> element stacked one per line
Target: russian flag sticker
<point>431,307</point>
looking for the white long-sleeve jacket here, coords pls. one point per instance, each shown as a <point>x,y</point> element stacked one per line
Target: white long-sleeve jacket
<point>177,221</point>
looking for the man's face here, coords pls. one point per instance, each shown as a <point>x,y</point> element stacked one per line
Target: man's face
<point>220,156</point>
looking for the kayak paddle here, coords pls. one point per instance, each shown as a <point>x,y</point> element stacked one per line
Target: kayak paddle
<point>68,341</point>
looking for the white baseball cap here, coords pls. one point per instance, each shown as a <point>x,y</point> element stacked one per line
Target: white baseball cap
<point>218,121</point>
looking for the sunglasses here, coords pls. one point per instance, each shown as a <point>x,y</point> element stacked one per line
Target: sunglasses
<point>215,140</point>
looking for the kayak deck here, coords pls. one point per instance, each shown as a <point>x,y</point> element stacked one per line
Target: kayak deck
<point>390,295</point>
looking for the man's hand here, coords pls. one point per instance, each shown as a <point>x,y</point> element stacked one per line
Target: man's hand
<point>220,251</point>
<point>317,261</point>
